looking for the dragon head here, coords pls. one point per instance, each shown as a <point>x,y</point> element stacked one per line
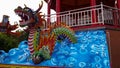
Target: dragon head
<point>27,15</point>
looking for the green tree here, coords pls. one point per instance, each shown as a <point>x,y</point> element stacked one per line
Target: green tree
<point>23,36</point>
<point>7,42</point>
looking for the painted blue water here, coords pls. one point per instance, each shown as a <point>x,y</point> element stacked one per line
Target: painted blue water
<point>90,51</point>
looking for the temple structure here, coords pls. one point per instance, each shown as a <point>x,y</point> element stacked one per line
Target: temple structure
<point>6,27</point>
<point>90,15</point>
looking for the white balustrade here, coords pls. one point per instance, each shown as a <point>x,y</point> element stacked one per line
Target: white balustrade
<point>84,16</point>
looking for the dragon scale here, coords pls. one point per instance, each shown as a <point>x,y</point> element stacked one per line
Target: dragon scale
<point>30,41</point>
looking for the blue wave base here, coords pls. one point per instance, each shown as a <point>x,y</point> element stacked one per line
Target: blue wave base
<point>90,51</point>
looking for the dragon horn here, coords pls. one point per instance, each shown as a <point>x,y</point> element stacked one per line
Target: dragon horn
<point>40,6</point>
<point>25,5</point>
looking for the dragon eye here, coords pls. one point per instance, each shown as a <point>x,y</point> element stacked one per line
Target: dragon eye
<point>28,9</point>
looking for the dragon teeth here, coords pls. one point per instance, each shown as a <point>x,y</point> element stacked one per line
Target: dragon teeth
<point>23,14</point>
<point>28,17</point>
<point>19,13</point>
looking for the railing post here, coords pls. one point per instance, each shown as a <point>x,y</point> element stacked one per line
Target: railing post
<point>102,13</point>
<point>69,22</point>
<point>119,17</point>
<point>118,5</point>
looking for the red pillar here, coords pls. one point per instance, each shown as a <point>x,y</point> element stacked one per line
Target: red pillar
<point>93,3</point>
<point>48,13</point>
<point>118,4</point>
<point>58,10</point>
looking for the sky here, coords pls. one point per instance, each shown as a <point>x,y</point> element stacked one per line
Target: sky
<point>7,8</point>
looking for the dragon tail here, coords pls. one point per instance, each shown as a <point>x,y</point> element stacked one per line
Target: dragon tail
<point>61,33</point>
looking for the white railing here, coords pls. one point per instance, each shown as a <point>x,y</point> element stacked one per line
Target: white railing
<point>99,14</point>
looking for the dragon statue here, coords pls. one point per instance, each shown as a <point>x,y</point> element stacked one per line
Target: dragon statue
<point>5,26</point>
<point>41,41</point>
